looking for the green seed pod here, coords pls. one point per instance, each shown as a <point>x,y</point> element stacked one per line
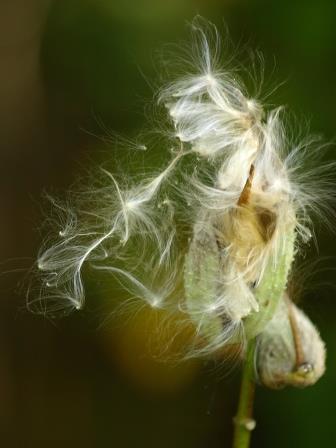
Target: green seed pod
<point>220,298</point>
<point>290,350</point>
<point>201,282</point>
<point>271,288</point>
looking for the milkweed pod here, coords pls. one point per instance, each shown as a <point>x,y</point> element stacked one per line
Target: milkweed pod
<point>228,302</point>
<point>271,287</point>
<point>201,281</point>
<point>290,351</point>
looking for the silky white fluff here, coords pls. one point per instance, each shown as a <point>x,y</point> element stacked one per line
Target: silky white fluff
<point>141,231</point>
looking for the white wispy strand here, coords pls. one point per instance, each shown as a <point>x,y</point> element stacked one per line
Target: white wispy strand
<point>147,233</point>
<point>127,213</point>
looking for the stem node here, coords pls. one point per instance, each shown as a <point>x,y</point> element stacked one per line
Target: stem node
<point>244,422</point>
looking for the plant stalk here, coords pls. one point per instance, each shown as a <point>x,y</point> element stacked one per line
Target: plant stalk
<point>243,422</point>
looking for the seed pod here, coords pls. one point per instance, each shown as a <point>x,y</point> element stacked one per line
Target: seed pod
<point>201,281</point>
<point>271,287</point>
<point>290,350</point>
<point>235,274</point>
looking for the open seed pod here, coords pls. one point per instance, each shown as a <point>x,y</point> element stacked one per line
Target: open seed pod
<point>237,266</point>
<point>290,351</point>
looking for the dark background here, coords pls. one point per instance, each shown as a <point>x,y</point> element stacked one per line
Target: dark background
<point>71,70</point>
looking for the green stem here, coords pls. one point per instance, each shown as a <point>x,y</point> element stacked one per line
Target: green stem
<point>243,421</point>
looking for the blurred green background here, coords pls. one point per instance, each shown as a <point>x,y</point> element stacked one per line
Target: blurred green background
<point>70,71</point>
